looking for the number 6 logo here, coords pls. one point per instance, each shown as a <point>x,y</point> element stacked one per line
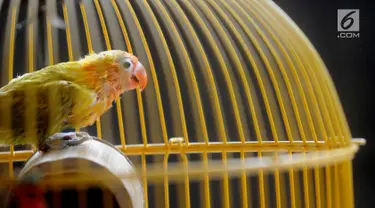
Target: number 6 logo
<point>348,20</point>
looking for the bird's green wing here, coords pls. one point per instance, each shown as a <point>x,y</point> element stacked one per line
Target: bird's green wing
<point>40,110</point>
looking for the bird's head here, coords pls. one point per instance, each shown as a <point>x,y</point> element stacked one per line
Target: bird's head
<point>132,73</point>
<point>123,70</point>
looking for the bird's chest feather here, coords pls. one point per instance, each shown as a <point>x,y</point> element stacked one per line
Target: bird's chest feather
<point>109,86</point>
<point>108,93</point>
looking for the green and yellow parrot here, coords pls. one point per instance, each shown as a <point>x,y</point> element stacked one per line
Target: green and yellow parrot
<point>65,95</point>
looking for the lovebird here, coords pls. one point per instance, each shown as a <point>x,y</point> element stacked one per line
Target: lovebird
<point>74,94</point>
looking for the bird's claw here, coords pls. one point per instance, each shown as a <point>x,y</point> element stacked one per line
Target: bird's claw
<point>65,140</point>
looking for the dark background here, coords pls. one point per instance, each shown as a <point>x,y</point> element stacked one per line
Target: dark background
<point>351,64</point>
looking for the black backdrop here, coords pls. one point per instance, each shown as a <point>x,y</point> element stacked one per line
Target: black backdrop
<point>351,65</point>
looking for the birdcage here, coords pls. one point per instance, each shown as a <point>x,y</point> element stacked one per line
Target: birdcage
<point>240,110</point>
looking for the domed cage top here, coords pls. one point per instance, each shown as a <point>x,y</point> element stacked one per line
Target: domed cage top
<point>239,104</point>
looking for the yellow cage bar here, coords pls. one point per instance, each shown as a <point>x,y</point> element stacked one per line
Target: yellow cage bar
<point>240,110</point>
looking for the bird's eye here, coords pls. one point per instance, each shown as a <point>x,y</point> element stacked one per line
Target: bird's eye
<point>127,64</point>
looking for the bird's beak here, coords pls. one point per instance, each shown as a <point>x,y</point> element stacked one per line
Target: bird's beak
<point>140,75</point>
